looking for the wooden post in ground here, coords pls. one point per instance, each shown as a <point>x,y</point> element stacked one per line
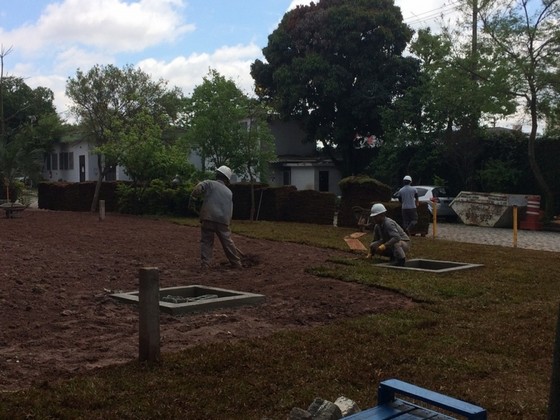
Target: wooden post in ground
<point>148,303</point>
<point>554,399</point>
<point>101,210</point>
<point>515,226</point>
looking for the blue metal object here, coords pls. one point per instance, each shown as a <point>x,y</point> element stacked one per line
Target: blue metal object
<point>391,407</point>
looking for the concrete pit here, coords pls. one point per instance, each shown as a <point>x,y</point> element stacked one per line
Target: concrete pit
<point>432,266</point>
<point>195,298</point>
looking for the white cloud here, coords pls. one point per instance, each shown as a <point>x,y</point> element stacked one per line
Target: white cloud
<point>187,72</point>
<point>111,25</point>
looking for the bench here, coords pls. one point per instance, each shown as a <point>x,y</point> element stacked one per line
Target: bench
<point>12,209</point>
<point>390,407</point>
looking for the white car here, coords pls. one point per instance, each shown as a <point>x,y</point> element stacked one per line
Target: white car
<point>433,194</point>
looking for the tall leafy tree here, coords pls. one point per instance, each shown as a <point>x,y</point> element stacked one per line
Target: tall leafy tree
<point>29,125</point>
<point>459,90</point>
<point>336,65</point>
<point>526,32</point>
<point>216,110</point>
<point>112,103</point>
<point>226,127</point>
<point>256,148</point>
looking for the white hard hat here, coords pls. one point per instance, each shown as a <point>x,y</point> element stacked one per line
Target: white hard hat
<point>377,208</point>
<point>224,170</point>
<point>407,178</point>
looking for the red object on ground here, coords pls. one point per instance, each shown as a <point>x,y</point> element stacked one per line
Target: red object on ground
<point>532,219</point>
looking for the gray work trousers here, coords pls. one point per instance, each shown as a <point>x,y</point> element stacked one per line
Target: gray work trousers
<point>409,220</point>
<point>397,251</point>
<point>208,229</point>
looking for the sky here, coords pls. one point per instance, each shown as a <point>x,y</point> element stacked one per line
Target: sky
<point>46,41</point>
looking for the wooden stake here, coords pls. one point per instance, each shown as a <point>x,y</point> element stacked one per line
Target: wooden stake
<point>148,302</point>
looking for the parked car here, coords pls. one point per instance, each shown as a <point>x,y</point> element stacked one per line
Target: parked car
<point>431,194</point>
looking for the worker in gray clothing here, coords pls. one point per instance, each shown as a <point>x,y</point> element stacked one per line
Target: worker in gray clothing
<point>389,239</point>
<point>215,217</point>
<point>408,196</point>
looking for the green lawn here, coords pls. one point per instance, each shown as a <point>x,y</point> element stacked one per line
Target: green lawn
<point>484,335</point>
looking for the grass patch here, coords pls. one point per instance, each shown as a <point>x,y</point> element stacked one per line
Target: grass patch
<point>483,335</point>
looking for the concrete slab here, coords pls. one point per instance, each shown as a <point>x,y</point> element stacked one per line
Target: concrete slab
<point>432,266</point>
<point>195,298</point>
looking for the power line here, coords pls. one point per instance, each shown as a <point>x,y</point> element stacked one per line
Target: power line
<point>432,14</point>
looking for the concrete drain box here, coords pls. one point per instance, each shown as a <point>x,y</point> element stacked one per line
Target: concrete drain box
<point>432,266</point>
<point>195,298</point>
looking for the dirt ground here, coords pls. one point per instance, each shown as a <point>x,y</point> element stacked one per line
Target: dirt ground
<point>58,269</point>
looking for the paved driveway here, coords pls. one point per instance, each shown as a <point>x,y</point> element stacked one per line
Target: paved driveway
<point>529,239</point>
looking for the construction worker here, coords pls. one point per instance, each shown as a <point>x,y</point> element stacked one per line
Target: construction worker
<point>215,217</point>
<point>389,239</point>
<point>408,197</point>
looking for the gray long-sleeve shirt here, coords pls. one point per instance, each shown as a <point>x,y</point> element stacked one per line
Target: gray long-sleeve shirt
<point>218,203</point>
<point>389,233</point>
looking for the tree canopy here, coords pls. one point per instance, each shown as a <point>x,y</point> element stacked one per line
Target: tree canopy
<point>336,65</point>
<point>225,127</point>
<point>526,33</point>
<point>120,109</point>
<point>29,125</point>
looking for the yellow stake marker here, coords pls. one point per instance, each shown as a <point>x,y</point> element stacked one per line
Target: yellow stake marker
<point>515,226</point>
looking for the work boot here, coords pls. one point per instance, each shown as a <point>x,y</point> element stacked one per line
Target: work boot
<point>400,262</point>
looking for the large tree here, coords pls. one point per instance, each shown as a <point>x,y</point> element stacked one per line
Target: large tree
<point>526,32</point>
<point>460,87</point>
<point>29,125</point>
<point>226,127</point>
<point>112,104</point>
<point>336,65</point>
<point>216,110</point>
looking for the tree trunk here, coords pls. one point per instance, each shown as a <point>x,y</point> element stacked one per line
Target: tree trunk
<point>252,212</point>
<point>98,184</point>
<point>547,192</point>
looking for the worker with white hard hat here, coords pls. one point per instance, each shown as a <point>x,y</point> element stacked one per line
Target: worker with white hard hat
<point>389,239</point>
<point>408,197</point>
<point>215,216</point>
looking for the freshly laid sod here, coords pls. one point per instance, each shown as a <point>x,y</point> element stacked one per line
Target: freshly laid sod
<point>484,335</point>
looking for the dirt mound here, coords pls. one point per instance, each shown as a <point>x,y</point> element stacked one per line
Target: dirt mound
<point>59,268</point>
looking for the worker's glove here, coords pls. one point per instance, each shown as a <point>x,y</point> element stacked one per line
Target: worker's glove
<point>381,248</point>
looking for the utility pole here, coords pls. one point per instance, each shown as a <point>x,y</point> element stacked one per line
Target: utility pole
<point>474,120</point>
<point>474,40</point>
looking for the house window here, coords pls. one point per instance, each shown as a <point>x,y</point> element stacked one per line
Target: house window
<point>54,161</point>
<point>287,177</point>
<point>48,161</point>
<point>324,181</point>
<point>66,161</point>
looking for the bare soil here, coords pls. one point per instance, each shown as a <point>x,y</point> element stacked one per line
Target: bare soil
<point>58,269</point>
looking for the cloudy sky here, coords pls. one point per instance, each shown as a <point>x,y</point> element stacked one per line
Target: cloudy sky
<point>46,41</point>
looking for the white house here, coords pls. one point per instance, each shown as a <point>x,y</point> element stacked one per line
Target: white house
<point>75,162</point>
<point>298,163</point>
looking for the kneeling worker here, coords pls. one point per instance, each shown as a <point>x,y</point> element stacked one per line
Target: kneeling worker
<point>389,239</point>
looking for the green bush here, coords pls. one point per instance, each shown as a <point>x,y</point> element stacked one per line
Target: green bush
<point>158,198</point>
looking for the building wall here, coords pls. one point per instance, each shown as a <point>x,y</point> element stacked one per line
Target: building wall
<point>299,158</point>
<point>72,173</point>
<point>306,176</point>
<point>303,177</point>
<point>289,139</point>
